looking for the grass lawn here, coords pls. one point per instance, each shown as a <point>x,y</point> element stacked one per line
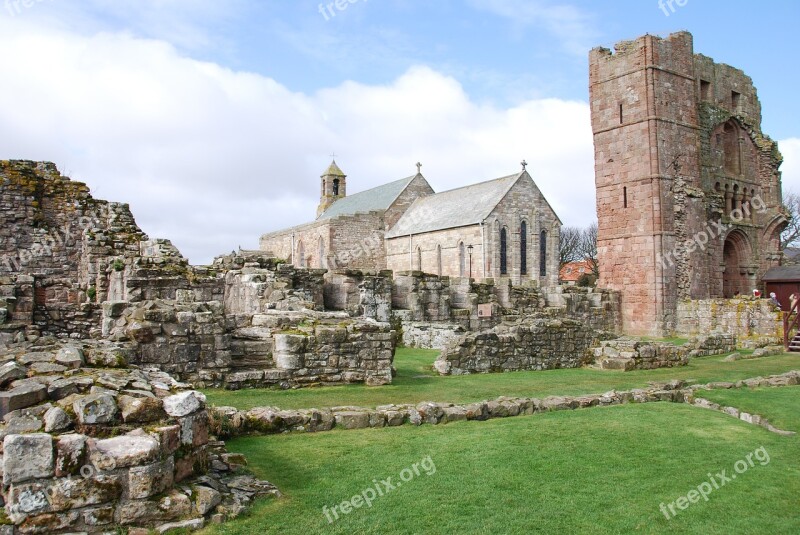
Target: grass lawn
<point>778,405</point>
<point>416,381</point>
<point>601,470</point>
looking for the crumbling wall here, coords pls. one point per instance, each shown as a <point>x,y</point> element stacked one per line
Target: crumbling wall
<point>537,344</point>
<point>754,322</point>
<point>90,445</point>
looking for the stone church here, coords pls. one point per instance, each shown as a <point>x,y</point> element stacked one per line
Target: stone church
<point>689,199</point>
<point>501,228</point>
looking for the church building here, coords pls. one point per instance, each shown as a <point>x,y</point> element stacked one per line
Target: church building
<point>501,228</point>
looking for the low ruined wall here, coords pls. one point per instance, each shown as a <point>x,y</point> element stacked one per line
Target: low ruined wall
<point>752,321</point>
<point>360,293</point>
<point>599,309</point>
<point>89,445</point>
<point>431,335</point>
<point>626,354</point>
<point>198,342</point>
<point>538,344</point>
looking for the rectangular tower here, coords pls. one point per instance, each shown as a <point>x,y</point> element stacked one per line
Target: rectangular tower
<point>678,150</point>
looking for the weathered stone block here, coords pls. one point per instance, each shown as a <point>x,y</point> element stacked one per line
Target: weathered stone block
<point>122,452</point>
<point>205,499</point>
<point>352,419</point>
<point>71,357</point>
<point>56,420</point>
<point>146,481</point>
<point>96,409</point>
<point>27,457</point>
<point>184,403</point>
<point>70,454</point>
<point>22,397</point>
<point>11,371</point>
<point>140,409</point>
<point>174,505</point>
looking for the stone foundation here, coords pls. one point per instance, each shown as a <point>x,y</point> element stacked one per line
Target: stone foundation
<point>752,321</point>
<point>537,344</point>
<point>89,444</point>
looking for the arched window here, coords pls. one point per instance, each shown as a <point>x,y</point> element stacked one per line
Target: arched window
<point>335,187</point>
<point>419,259</point>
<point>301,255</point>
<point>321,253</point>
<point>462,259</point>
<point>439,260</point>
<point>503,251</point>
<point>523,248</point>
<point>543,253</point>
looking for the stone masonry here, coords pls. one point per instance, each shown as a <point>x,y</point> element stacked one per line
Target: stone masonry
<point>688,187</point>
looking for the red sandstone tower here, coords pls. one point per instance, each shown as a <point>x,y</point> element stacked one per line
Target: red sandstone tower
<point>688,188</point>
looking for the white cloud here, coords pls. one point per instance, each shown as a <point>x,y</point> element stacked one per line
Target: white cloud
<point>570,24</point>
<point>212,158</point>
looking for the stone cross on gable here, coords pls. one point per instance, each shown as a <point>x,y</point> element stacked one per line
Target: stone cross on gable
<point>419,168</point>
<point>524,165</point>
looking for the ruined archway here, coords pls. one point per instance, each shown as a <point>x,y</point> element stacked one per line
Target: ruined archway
<point>735,254</point>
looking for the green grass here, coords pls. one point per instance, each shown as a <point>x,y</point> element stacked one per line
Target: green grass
<point>778,405</point>
<point>416,382</point>
<point>601,470</point>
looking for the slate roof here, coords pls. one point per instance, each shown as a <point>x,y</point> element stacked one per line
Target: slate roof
<point>379,198</point>
<point>333,170</point>
<point>454,208</point>
<point>782,273</point>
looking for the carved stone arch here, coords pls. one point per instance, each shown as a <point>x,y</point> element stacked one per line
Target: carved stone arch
<point>736,256</point>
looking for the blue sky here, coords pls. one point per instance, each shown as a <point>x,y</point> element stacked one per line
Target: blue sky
<point>214,119</point>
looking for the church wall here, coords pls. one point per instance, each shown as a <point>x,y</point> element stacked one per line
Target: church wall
<point>417,188</point>
<point>403,256</point>
<point>306,242</point>
<point>357,242</point>
<point>524,202</point>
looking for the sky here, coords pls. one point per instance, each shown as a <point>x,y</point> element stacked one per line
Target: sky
<point>214,119</point>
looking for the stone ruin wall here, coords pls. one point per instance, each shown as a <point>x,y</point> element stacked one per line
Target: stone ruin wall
<point>689,102</point>
<point>754,322</point>
<point>89,444</point>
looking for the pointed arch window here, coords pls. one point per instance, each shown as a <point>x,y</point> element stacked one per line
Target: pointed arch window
<point>503,251</point>
<point>523,248</point>
<point>439,260</point>
<point>419,259</point>
<point>335,187</point>
<point>543,253</point>
<point>462,259</point>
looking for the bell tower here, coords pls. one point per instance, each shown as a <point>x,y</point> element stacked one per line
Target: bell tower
<point>333,187</point>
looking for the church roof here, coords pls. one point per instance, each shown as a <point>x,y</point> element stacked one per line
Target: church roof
<point>454,208</point>
<point>379,198</point>
<point>333,170</point>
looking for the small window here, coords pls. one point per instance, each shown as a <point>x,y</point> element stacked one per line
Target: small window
<point>625,196</point>
<point>523,248</point>
<point>439,260</point>
<point>705,90</point>
<point>419,259</point>
<point>335,187</point>
<point>503,252</point>
<point>462,259</point>
<point>543,254</point>
<point>735,97</point>
<point>620,114</point>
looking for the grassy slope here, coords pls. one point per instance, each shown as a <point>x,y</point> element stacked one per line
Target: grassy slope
<point>417,382</point>
<point>602,470</point>
<point>779,405</point>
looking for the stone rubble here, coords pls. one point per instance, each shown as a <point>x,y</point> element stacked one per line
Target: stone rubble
<point>86,448</point>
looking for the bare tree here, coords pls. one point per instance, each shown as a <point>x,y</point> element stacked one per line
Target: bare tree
<point>588,247</point>
<point>791,234</point>
<point>569,245</point>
